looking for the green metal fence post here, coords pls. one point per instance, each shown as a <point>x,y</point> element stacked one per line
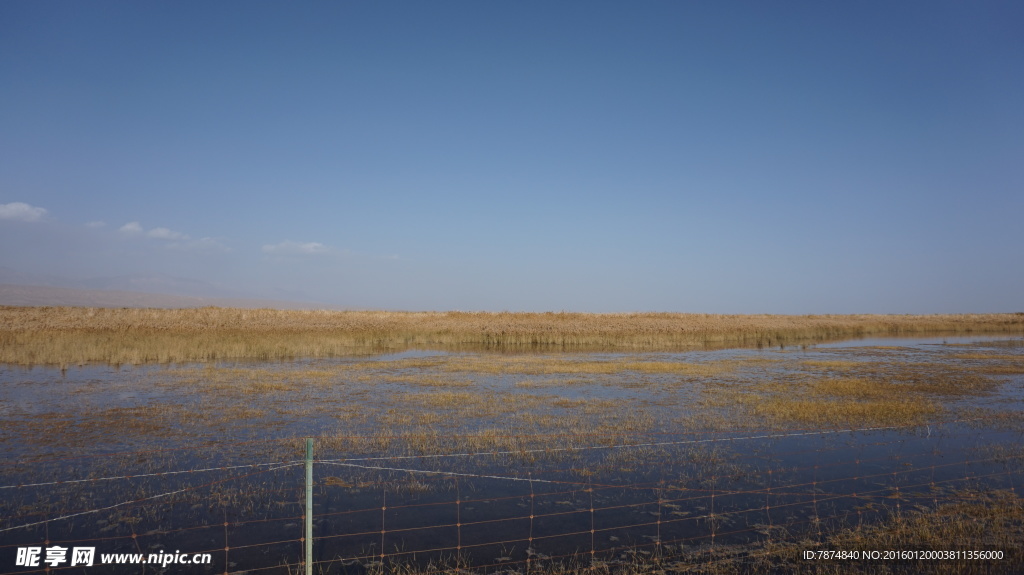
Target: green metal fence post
<point>309,506</point>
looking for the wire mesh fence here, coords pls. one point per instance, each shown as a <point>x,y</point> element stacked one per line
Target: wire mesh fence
<point>704,501</point>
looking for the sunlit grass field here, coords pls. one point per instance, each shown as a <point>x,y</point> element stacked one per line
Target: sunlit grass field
<point>69,336</point>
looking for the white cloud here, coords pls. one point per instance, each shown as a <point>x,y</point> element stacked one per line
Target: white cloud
<point>135,228</point>
<point>21,211</point>
<point>95,224</point>
<point>289,247</point>
<point>166,234</point>
<point>207,245</point>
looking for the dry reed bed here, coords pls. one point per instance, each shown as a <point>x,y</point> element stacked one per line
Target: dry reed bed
<point>68,335</point>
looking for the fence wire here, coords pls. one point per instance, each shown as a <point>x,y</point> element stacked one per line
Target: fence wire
<point>721,502</point>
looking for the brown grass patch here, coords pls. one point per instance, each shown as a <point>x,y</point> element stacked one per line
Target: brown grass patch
<point>425,380</point>
<point>856,388</point>
<point>68,336</point>
<point>887,394</point>
<point>824,411</point>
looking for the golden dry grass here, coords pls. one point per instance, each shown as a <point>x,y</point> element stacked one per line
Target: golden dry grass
<point>823,406</point>
<point>994,364</point>
<point>66,335</point>
<point>845,393</point>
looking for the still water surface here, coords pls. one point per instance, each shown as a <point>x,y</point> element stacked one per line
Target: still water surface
<point>510,463</point>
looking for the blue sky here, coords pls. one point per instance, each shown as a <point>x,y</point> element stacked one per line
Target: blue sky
<point>719,157</point>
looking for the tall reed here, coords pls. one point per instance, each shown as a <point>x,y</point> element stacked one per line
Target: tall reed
<point>68,335</point>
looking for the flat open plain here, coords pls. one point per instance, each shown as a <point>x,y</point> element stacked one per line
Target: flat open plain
<point>636,443</point>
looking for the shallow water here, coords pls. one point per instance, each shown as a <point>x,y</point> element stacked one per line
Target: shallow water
<point>462,452</point>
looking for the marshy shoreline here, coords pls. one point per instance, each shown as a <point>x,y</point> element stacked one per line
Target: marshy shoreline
<point>77,335</point>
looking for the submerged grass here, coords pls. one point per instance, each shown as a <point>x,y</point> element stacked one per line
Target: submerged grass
<point>831,364</point>
<point>536,408</point>
<point>68,336</point>
<point>835,393</point>
<point>523,393</point>
<point>547,393</point>
<point>826,411</point>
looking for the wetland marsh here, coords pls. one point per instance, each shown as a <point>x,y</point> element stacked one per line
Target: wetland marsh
<point>524,459</point>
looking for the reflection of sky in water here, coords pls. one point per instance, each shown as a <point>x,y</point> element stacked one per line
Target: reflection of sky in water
<point>31,391</point>
<point>43,389</point>
<point>750,480</point>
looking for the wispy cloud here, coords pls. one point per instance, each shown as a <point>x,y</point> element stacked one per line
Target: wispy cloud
<point>289,247</point>
<point>166,234</point>
<point>21,211</point>
<point>206,245</point>
<point>135,228</point>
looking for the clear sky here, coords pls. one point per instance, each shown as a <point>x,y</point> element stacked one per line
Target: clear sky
<point>724,157</point>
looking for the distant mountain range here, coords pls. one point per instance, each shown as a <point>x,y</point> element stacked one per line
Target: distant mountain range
<point>139,290</point>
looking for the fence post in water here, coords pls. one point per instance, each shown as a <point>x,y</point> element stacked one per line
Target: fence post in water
<point>309,506</point>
